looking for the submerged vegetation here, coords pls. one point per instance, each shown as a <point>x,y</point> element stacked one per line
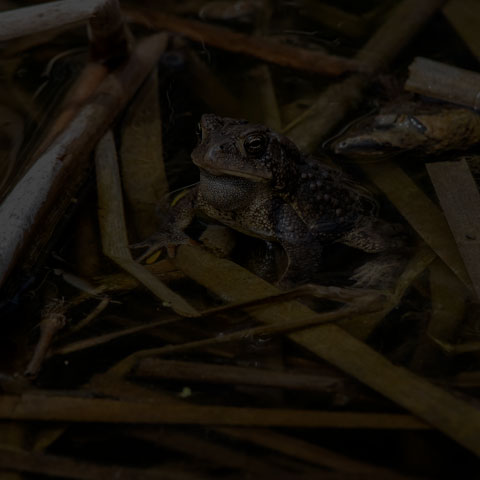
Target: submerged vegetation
<point>192,361</point>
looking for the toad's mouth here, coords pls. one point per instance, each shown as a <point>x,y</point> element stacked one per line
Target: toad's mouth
<point>254,176</point>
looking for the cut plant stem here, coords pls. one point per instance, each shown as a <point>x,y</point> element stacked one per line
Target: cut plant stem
<point>108,337</point>
<point>114,232</point>
<point>444,82</point>
<point>52,322</point>
<point>72,409</point>
<point>233,375</point>
<point>207,449</point>
<point>310,129</point>
<point>420,211</point>
<point>103,304</point>
<point>260,47</point>
<point>335,19</point>
<point>54,466</point>
<point>458,194</point>
<point>105,19</point>
<point>451,415</point>
<point>141,158</point>
<point>309,452</point>
<point>280,327</point>
<point>39,200</point>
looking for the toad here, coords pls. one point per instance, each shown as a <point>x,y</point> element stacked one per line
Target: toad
<point>257,182</point>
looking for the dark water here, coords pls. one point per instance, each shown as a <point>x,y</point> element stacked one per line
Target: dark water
<point>196,78</point>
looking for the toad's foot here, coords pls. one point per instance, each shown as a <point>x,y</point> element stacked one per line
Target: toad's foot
<point>166,239</point>
<point>173,224</point>
<point>375,235</point>
<point>380,273</point>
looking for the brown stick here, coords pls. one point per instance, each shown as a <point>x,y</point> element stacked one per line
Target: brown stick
<point>110,42</point>
<point>85,85</point>
<point>64,467</point>
<point>445,82</point>
<point>39,18</point>
<point>449,414</point>
<point>310,452</point>
<point>262,48</point>
<point>52,322</point>
<point>460,200</point>
<point>108,337</point>
<point>229,374</point>
<point>405,21</point>
<point>215,453</point>
<point>71,409</point>
<point>30,203</point>
<point>420,211</point>
<point>281,327</point>
<point>110,38</point>
<point>114,231</point>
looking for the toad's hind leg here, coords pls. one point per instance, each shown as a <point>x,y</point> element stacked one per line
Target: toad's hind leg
<point>373,235</point>
<point>387,241</point>
<point>303,262</point>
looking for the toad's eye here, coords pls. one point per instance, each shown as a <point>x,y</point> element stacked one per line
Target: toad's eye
<point>255,144</point>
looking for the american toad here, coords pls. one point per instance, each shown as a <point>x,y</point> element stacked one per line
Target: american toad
<point>256,181</point>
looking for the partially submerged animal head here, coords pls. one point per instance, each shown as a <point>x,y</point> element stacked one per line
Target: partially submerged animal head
<point>431,128</point>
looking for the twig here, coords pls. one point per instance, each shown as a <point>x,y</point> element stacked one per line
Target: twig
<point>218,454</point>
<point>85,85</point>
<point>449,414</point>
<point>31,204</point>
<point>449,298</point>
<point>280,327</point>
<point>102,305</point>
<point>52,322</point>
<point>233,375</point>
<point>12,128</point>
<point>104,16</point>
<point>141,158</point>
<point>458,194</point>
<point>71,409</point>
<point>420,211</point>
<point>457,348</point>
<point>259,47</point>
<point>114,232</point>
<point>335,19</point>
<point>445,82</point>
<point>52,466</point>
<point>310,452</point>
<point>108,337</point>
<point>308,130</point>
<point>110,42</point>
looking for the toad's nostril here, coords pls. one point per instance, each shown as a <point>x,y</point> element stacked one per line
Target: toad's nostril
<point>213,153</point>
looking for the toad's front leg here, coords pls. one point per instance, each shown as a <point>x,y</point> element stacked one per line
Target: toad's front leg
<point>303,250</point>
<point>172,225</point>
